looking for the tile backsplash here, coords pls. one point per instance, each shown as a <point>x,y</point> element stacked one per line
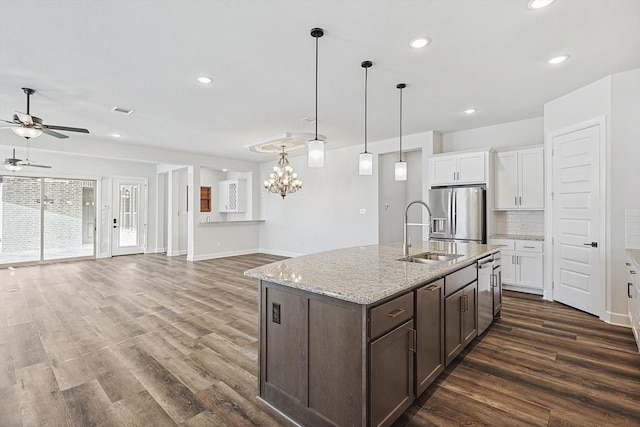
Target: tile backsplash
<point>528,223</point>
<point>632,228</point>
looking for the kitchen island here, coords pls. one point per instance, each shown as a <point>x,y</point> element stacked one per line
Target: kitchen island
<point>352,336</point>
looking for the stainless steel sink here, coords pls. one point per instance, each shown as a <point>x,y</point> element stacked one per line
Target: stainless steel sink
<point>430,258</point>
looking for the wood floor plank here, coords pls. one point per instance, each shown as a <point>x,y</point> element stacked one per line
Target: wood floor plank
<point>155,340</point>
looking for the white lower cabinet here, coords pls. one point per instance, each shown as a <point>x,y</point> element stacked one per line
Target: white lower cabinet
<point>522,263</point>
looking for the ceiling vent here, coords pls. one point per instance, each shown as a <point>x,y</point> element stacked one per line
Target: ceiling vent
<point>122,110</point>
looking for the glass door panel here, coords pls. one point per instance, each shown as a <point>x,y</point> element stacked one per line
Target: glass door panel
<point>69,218</point>
<point>20,219</point>
<point>128,216</point>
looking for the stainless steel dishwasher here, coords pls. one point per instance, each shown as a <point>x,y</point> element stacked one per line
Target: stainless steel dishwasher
<point>485,293</point>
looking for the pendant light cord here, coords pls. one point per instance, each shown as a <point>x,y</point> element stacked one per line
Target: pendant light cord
<point>401,124</point>
<point>316,88</point>
<point>366,79</point>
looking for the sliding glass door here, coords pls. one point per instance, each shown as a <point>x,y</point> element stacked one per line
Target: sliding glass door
<point>21,219</point>
<point>46,219</point>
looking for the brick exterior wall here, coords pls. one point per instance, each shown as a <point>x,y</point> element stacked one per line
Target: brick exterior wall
<point>21,213</point>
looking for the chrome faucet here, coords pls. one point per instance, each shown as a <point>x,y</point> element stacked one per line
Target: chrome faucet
<point>405,241</point>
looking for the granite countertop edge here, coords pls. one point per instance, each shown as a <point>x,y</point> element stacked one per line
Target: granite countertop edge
<point>368,274</point>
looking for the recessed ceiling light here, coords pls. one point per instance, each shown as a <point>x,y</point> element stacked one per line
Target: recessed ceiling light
<point>557,59</point>
<point>205,80</point>
<point>419,42</point>
<point>470,110</point>
<point>539,4</point>
<point>116,135</point>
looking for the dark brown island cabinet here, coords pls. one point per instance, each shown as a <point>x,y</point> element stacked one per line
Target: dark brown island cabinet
<point>329,362</point>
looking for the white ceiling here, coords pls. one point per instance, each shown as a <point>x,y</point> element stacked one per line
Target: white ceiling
<point>85,57</point>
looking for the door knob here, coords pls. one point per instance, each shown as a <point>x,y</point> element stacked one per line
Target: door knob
<point>592,244</point>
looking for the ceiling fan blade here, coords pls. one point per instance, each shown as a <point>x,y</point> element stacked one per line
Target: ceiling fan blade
<point>53,133</point>
<point>33,165</point>
<point>68,129</point>
<point>24,118</point>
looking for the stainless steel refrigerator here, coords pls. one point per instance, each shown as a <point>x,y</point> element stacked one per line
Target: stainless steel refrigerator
<point>458,214</point>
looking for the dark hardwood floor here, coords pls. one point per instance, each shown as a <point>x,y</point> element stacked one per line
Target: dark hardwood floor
<point>149,340</point>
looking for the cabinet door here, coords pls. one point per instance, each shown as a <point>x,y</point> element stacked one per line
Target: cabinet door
<point>509,267</point>
<point>223,198</point>
<point>529,270</point>
<point>506,180</point>
<point>469,313</point>
<point>430,334</point>
<point>531,182</point>
<point>443,170</point>
<point>392,373</point>
<point>471,168</point>
<point>453,339</point>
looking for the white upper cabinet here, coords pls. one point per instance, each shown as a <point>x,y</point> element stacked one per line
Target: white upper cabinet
<point>232,195</point>
<point>464,168</point>
<point>519,179</point>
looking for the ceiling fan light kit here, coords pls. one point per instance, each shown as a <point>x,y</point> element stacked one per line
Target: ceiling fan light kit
<point>28,126</point>
<point>316,146</point>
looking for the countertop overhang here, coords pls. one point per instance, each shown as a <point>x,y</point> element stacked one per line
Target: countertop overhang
<point>367,274</point>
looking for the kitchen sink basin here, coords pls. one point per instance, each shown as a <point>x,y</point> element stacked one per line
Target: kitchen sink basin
<point>430,258</point>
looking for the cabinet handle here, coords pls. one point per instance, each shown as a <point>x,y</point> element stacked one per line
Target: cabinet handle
<point>515,200</point>
<point>627,264</point>
<point>520,200</point>
<point>632,272</point>
<point>412,340</point>
<point>464,303</point>
<point>629,290</point>
<point>492,277</point>
<point>513,259</point>
<point>397,312</point>
<point>432,287</point>
<point>529,247</point>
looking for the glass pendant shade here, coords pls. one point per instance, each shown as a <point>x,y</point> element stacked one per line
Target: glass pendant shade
<point>13,167</point>
<point>27,132</point>
<point>365,164</point>
<point>401,171</point>
<point>316,153</point>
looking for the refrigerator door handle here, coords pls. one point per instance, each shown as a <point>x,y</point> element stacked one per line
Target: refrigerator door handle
<point>452,213</point>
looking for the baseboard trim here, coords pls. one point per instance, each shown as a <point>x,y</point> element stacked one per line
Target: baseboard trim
<point>618,319</point>
<point>224,254</point>
<point>279,253</point>
<point>177,253</point>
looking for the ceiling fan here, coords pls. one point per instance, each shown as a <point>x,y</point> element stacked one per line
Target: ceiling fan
<point>13,164</point>
<point>29,126</point>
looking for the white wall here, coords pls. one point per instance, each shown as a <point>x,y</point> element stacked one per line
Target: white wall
<point>502,136</point>
<point>79,167</point>
<point>624,180</point>
<point>617,99</point>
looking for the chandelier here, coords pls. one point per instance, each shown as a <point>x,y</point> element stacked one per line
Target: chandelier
<point>283,180</point>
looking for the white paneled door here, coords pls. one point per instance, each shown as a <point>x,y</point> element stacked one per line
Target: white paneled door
<point>577,278</point>
<point>129,213</point>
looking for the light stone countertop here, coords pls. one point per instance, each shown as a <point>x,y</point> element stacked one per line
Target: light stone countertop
<point>367,274</point>
<point>518,237</point>
<point>240,221</point>
<point>634,254</point>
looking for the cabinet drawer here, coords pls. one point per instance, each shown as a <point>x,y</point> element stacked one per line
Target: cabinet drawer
<point>529,246</point>
<point>460,279</point>
<point>505,244</point>
<point>387,316</point>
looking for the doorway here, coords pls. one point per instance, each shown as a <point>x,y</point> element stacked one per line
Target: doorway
<point>394,196</point>
<point>129,216</point>
<point>578,224</point>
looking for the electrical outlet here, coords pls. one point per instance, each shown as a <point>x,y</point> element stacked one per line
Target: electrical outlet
<point>275,313</point>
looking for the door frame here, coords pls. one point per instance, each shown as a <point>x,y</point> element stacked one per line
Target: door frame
<point>144,200</point>
<point>603,234</point>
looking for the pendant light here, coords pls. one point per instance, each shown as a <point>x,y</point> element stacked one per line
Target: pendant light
<point>316,146</point>
<point>401,167</point>
<point>365,163</point>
